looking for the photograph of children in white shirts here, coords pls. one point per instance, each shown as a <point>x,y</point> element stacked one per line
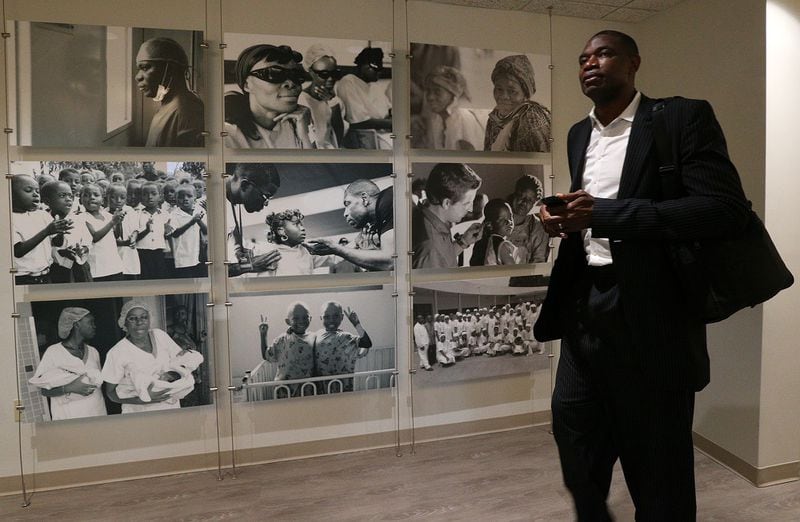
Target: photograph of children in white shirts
<point>150,242</point>
<point>186,225</point>
<point>71,249</point>
<point>32,229</point>
<point>327,353</point>
<point>104,260</point>
<point>125,232</point>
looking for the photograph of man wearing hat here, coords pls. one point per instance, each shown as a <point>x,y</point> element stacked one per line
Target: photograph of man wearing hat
<point>162,74</point>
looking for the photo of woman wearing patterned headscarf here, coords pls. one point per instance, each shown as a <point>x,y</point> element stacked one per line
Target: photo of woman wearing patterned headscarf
<point>479,99</point>
<point>517,123</point>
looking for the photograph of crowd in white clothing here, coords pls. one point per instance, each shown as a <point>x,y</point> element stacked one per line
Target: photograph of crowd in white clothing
<point>95,357</point>
<point>477,215</point>
<point>105,86</point>
<point>98,221</point>
<point>477,328</point>
<point>312,343</point>
<point>464,98</point>
<point>296,92</point>
<point>309,218</point>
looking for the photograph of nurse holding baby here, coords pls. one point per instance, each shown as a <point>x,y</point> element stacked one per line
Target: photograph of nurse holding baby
<point>96,357</point>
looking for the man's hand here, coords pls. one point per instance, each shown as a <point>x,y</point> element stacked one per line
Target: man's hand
<point>575,216</point>
<point>472,234</point>
<point>268,261</point>
<point>320,247</point>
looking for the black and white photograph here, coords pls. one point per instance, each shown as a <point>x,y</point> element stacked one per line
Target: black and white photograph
<point>105,86</point>
<point>477,215</point>
<point>477,328</point>
<point>303,344</point>
<point>300,219</point>
<point>464,98</point>
<point>99,221</point>
<point>83,358</point>
<point>299,92</point>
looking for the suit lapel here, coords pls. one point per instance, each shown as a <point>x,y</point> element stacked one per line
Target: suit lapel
<point>639,145</point>
<point>577,152</point>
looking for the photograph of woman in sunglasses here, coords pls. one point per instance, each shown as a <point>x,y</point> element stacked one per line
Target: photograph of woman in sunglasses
<point>299,93</point>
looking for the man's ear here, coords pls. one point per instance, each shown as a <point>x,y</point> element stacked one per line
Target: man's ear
<point>636,61</point>
<point>446,202</point>
<point>288,322</point>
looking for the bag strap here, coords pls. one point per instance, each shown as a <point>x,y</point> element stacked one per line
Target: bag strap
<point>671,186</point>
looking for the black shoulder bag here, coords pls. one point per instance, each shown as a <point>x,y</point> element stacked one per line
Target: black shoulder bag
<point>720,276</point>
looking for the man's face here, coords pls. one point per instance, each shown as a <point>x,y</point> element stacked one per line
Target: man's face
<point>117,198</point>
<point>185,198</point>
<point>298,319</point>
<point>255,198</point>
<point>149,74</point>
<point>606,68</point>
<point>25,193</point>
<point>332,318</point>
<point>456,210</point>
<point>356,209</point>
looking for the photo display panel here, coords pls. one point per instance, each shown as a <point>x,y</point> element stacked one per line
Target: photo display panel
<point>464,98</point>
<point>144,86</point>
<point>315,342</point>
<point>474,214</point>
<point>300,219</point>
<point>298,92</point>
<point>477,328</point>
<point>105,356</point>
<point>100,221</point>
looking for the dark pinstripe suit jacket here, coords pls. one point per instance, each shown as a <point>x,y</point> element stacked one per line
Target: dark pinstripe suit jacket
<point>667,343</point>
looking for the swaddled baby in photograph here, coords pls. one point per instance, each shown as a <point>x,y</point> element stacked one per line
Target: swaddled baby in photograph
<point>177,377</point>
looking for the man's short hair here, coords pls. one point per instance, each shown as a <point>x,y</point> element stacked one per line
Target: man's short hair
<point>259,174</point>
<point>363,186</point>
<point>450,181</point>
<point>63,173</point>
<point>628,43</point>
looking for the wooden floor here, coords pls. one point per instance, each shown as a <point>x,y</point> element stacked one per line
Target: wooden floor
<point>505,476</point>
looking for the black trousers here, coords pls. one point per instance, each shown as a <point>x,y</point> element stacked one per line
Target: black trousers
<point>604,408</point>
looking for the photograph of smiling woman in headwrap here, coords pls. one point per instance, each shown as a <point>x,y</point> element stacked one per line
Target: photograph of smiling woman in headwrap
<point>479,99</point>
<point>517,123</point>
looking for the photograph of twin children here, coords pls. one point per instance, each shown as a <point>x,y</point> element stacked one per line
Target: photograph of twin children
<point>477,215</point>
<point>477,328</point>
<point>313,343</point>
<point>78,222</point>
<point>96,357</point>
<point>310,218</point>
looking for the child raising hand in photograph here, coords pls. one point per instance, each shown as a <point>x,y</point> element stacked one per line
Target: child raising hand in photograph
<point>494,248</point>
<point>336,351</point>
<point>292,352</point>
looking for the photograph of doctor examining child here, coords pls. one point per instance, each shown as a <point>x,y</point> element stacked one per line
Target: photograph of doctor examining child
<point>312,218</point>
<point>313,343</point>
<point>95,357</point>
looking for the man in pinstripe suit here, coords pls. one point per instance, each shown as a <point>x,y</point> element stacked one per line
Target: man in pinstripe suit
<point>632,355</point>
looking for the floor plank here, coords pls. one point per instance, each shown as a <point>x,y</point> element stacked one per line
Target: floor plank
<point>508,476</point>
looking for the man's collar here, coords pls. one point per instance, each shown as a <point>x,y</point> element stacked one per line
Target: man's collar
<point>628,114</point>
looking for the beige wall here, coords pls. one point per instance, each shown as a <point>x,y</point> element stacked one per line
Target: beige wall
<point>697,50</point>
<point>679,58</point>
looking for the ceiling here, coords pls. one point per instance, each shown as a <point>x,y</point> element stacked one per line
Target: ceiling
<point>611,10</point>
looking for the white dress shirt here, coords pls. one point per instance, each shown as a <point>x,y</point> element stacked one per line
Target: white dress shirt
<point>605,156</point>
